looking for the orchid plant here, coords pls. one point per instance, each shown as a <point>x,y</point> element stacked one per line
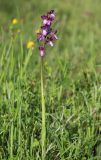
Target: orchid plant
<point>46,36</point>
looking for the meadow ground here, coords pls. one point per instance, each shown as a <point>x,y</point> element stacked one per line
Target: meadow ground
<point>72,81</point>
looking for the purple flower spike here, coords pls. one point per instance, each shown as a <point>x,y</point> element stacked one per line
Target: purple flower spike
<point>42,51</point>
<point>47,35</point>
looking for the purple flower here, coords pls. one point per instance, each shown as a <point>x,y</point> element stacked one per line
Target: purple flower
<point>49,41</point>
<point>46,30</point>
<point>47,34</point>
<point>53,35</point>
<point>51,15</point>
<point>40,36</point>
<point>46,20</point>
<point>42,51</point>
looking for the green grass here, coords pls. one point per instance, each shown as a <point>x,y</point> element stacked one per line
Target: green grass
<point>72,82</point>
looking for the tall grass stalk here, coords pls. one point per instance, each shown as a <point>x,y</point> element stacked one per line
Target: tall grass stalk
<point>11,141</point>
<point>43,133</point>
<point>10,65</point>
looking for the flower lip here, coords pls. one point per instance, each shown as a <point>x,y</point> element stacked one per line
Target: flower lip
<point>44,32</point>
<point>51,43</point>
<point>47,21</point>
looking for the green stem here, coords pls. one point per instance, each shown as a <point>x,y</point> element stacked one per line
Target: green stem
<point>11,145</point>
<point>43,113</point>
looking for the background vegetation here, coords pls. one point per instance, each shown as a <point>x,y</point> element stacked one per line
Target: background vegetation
<point>72,71</point>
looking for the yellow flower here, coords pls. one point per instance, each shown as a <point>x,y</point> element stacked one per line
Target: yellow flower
<point>37,31</point>
<point>14,21</point>
<point>30,44</point>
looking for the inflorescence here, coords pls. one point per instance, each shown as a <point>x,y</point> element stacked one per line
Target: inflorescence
<point>46,35</point>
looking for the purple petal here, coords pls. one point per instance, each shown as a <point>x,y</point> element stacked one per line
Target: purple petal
<point>44,17</point>
<point>52,16</point>
<point>49,22</point>
<point>45,21</point>
<point>44,32</point>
